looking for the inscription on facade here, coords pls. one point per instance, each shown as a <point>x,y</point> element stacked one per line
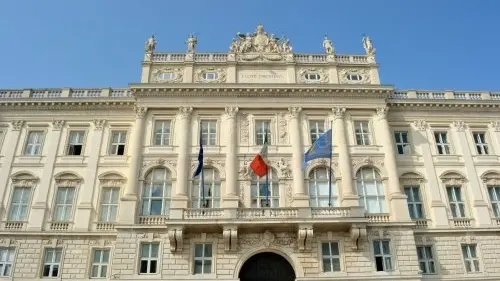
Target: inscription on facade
<point>262,76</point>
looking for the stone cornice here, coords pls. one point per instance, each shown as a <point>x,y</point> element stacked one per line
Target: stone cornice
<point>66,104</point>
<point>440,105</point>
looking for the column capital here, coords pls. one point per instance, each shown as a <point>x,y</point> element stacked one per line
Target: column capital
<point>140,112</point>
<point>57,125</point>
<point>231,111</point>
<point>185,112</point>
<point>420,124</point>
<point>382,112</point>
<point>294,111</point>
<point>17,125</point>
<point>459,125</point>
<point>495,125</point>
<point>98,124</point>
<point>338,112</point>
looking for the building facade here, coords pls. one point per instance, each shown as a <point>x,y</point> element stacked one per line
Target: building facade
<point>98,183</point>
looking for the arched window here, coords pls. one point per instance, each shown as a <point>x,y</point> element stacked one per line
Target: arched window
<point>265,193</point>
<point>371,190</point>
<point>208,195</point>
<point>319,186</point>
<point>157,192</point>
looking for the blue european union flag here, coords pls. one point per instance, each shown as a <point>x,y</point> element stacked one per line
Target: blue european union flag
<point>321,148</point>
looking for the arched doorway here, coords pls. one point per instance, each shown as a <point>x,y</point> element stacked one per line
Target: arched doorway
<point>267,267</point>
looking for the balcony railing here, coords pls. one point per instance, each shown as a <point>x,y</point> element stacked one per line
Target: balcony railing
<point>380,218</point>
<point>65,93</point>
<point>446,95</point>
<point>14,225</point>
<point>152,220</point>
<point>105,226</point>
<point>462,222</point>
<point>59,225</point>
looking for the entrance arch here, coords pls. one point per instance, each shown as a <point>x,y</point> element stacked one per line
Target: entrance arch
<point>267,266</point>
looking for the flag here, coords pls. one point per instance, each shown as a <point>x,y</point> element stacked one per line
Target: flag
<point>199,169</point>
<point>321,148</point>
<point>258,164</point>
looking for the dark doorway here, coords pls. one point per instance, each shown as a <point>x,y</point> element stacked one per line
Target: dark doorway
<point>267,267</point>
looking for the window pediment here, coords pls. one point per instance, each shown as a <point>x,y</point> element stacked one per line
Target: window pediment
<point>491,178</point>
<point>452,178</point>
<point>24,179</point>
<point>112,179</point>
<point>411,178</point>
<point>67,179</point>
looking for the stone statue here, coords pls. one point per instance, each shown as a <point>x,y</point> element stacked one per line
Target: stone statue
<point>328,46</point>
<point>234,47</point>
<point>368,45</point>
<point>285,46</point>
<point>273,44</point>
<point>150,45</point>
<point>191,43</point>
<point>259,42</point>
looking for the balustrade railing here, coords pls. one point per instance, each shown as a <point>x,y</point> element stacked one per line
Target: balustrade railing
<point>447,95</point>
<point>65,93</point>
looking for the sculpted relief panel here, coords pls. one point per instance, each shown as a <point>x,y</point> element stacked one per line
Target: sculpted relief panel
<point>354,76</point>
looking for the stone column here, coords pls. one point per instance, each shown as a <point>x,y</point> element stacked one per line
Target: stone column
<point>231,200</point>
<point>349,197</point>
<point>473,186</point>
<point>183,129</point>
<point>129,200</point>
<point>398,205</point>
<point>301,198</point>
<point>85,210</point>
<point>37,216</point>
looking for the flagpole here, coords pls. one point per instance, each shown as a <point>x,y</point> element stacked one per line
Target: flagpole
<point>202,181</point>
<point>330,170</point>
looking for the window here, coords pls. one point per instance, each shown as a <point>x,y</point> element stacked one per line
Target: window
<point>470,258</point>
<point>371,190</point>
<point>262,128</point>
<point>316,128</point>
<point>75,143</point>
<point>312,76</point>
<point>457,205</point>
<point>206,193</point>
<point>209,132</point>
<point>203,258</point>
<point>19,204</point>
<point>319,185</point>
<point>354,77</point>
<point>6,261</point>
<point>443,147</point>
<point>149,258</point>
<point>100,263</point>
<point>265,193</point>
<point>64,204</point>
<point>109,204</point>
<point>157,193</point>
<point>494,193</point>
<point>331,256</point>
<point>415,205</point>
<point>34,143</point>
<point>167,75</point>
<point>117,146</point>
<point>426,260</point>
<point>481,145</point>
<point>209,75</point>
<point>51,262</point>
<point>162,132</point>
<point>402,143</point>
<point>362,132</point>
<point>383,257</point>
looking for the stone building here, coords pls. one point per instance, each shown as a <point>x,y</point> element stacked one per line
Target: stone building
<point>98,183</point>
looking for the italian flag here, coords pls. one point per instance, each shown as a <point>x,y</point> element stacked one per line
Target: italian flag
<point>258,164</point>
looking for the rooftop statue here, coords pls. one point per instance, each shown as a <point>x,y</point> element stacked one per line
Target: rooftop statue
<point>328,46</point>
<point>368,45</point>
<point>259,42</point>
<point>191,43</point>
<point>150,45</point>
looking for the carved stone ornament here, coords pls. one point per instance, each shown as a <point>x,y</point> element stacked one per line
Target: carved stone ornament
<point>210,75</point>
<point>185,112</point>
<point>294,111</point>
<point>175,237</point>
<point>338,112</point>
<point>495,125</point>
<point>268,239</point>
<point>382,112</point>
<point>230,235</point>
<point>359,162</point>
<point>305,236</point>
<point>313,76</point>
<point>167,75</point>
<point>459,125</point>
<point>420,124</point>
<point>99,124</point>
<point>244,128</point>
<point>231,111</point>
<point>57,124</point>
<point>245,171</point>
<point>140,112</point>
<point>289,195</point>
<point>17,125</point>
<point>358,235</point>
<point>283,168</point>
<point>283,127</point>
<point>354,76</point>
<point>452,178</point>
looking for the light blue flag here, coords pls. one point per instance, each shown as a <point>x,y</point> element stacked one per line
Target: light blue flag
<point>321,148</point>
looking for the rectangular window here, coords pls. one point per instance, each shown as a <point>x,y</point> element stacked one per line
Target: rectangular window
<point>362,132</point>
<point>208,132</point>
<point>402,143</point>
<point>262,129</point>
<point>117,146</point>
<point>457,205</point>
<point>383,257</point>
<point>316,129</point>
<point>64,204</point>
<point>34,143</point>
<point>494,193</point>
<point>470,258</point>
<point>149,258</point>
<point>6,261</point>
<point>481,145</point>
<point>51,262</point>
<point>426,260</point>
<point>415,205</point>
<point>19,204</point>
<point>109,204</point>
<point>75,142</point>
<point>100,263</point>
<point>203,258</point>
<point>331,256</point>
<point>162,132</point>
<point>442,144</point>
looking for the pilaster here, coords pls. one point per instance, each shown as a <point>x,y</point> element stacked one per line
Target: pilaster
<point>183,130</point>
<point>301,198</point>
<point>231,197</point>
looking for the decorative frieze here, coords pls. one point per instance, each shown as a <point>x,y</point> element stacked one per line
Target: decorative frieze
<point>283,127</point>
<point>244,128</point>
<point>354,76</point>
<point>167,75</point>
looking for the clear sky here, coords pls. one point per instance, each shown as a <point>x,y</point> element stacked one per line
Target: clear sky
<point>424,44</point>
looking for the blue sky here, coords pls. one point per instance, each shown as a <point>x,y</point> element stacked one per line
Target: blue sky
<point>424,44</point>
